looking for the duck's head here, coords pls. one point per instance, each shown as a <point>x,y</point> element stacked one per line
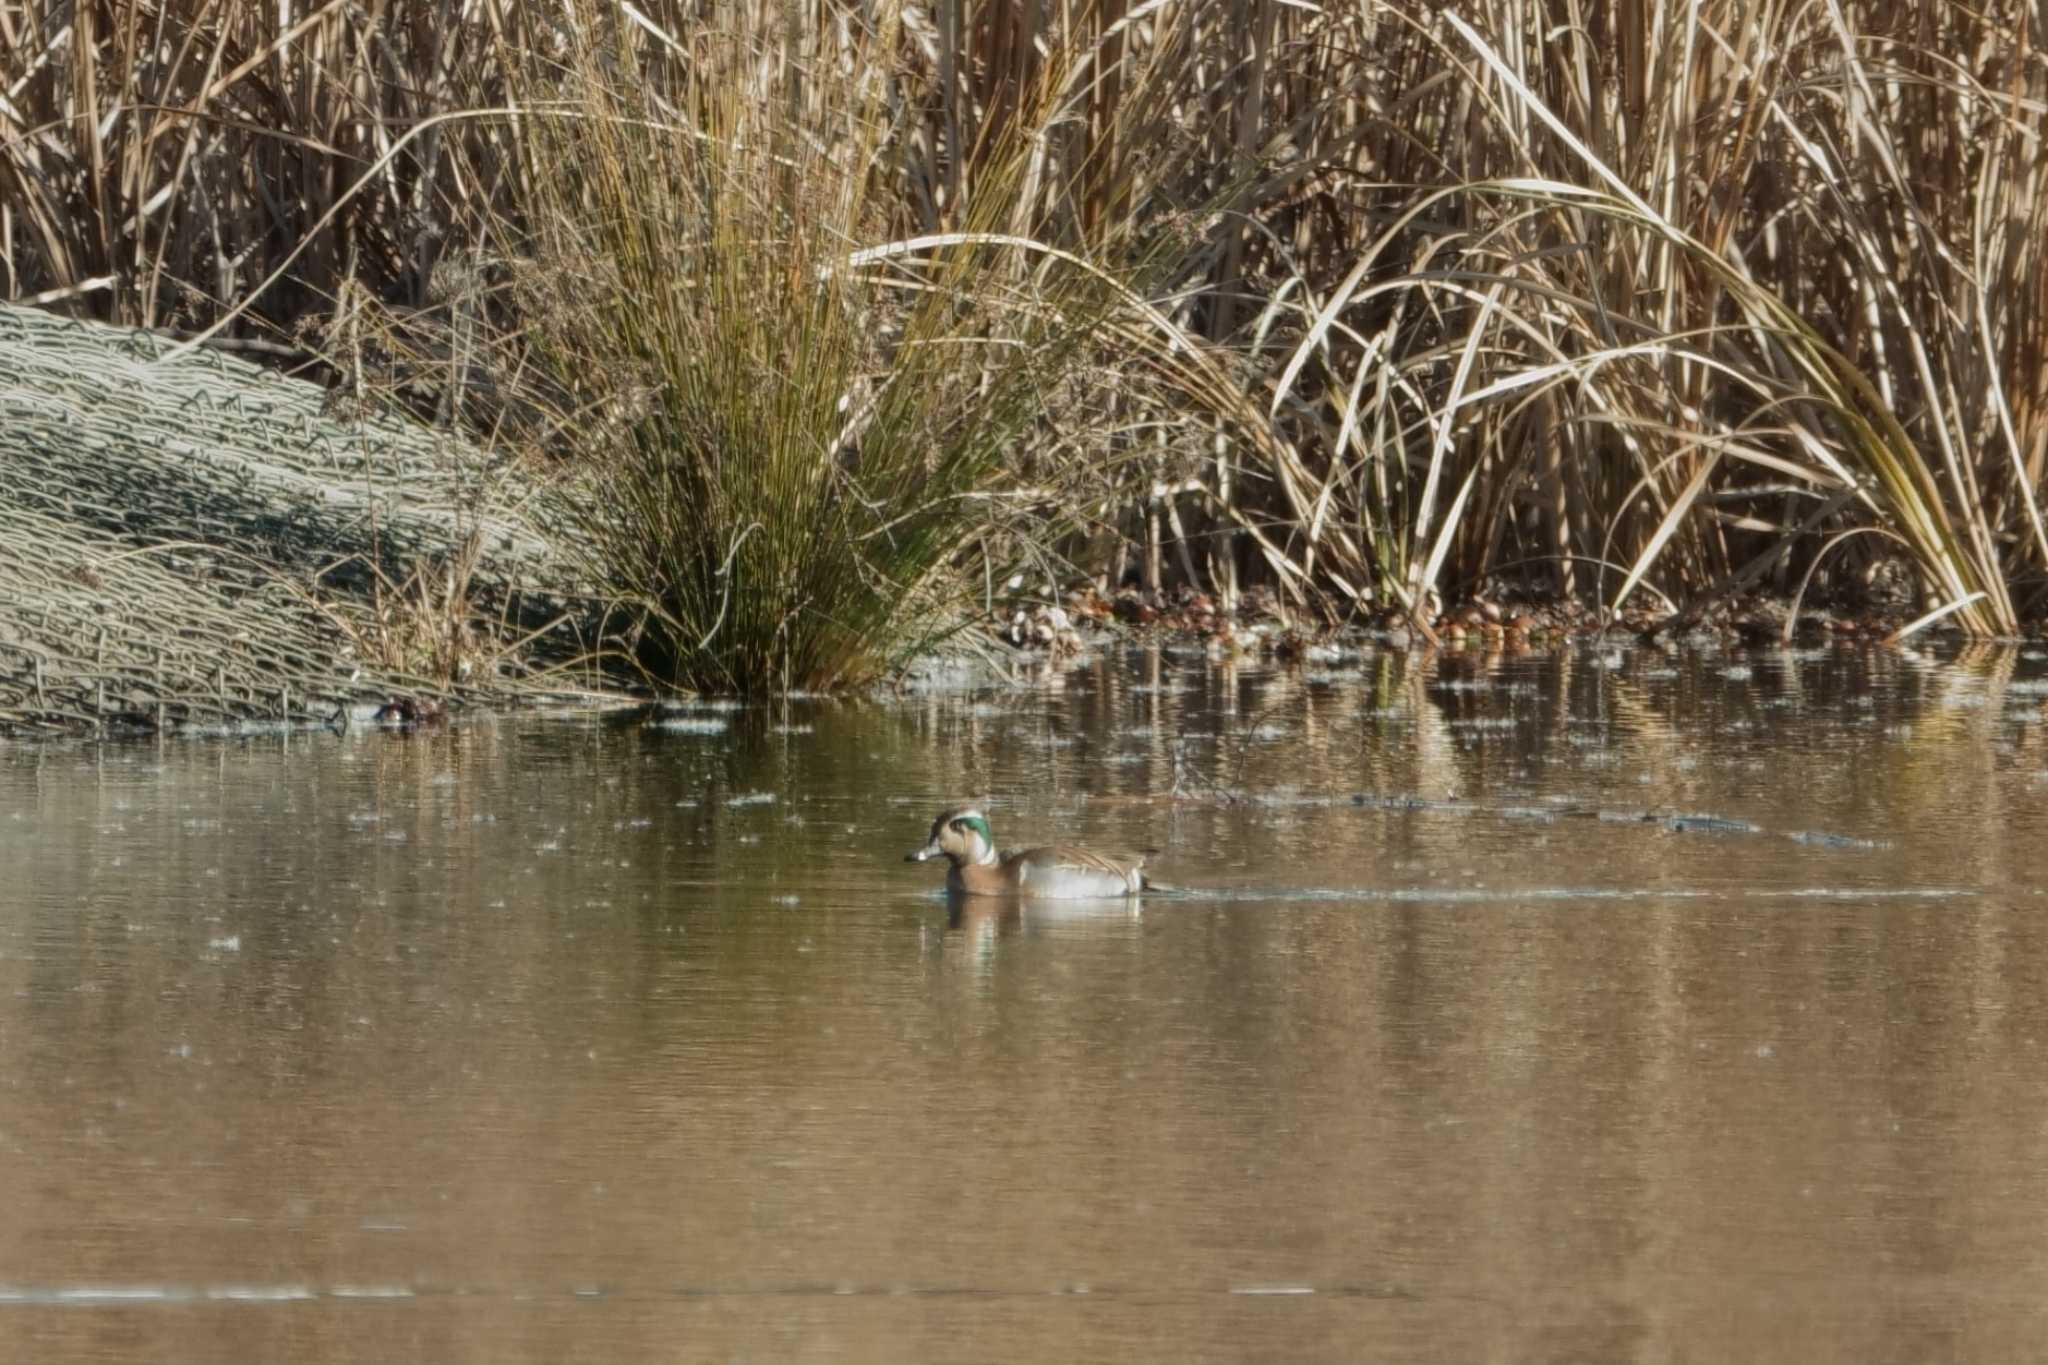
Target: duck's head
<point>960,835</point>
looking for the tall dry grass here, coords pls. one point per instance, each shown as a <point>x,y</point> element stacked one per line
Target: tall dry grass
<point>796,430</point>
<point>162,163</point>
<point>1699,296</point>
<point>1694,288</point>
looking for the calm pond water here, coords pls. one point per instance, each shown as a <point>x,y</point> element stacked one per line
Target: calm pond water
<point>549,1039</point>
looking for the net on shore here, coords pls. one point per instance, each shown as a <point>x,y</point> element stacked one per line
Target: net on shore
<point>186,538</point>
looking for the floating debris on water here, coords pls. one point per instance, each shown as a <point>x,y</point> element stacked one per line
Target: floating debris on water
<point>1683,824</point>
<point>1405,803</point>
<point>1709,824</point>
<point>1284,797</point>
<point>1834,840</point>
<point>1561,805</point>
<point>752,799</point>
<point>692,725</point>
<point>721,704</point>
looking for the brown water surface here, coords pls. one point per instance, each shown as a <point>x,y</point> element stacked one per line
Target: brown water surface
<point>554,1040</point>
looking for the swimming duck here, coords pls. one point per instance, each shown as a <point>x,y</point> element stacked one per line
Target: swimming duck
<point>1056,872</point>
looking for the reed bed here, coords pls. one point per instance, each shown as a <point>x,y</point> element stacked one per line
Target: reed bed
<point>1383,305</point>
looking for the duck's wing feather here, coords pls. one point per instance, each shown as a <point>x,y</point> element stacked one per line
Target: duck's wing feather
<point>1066,855</point>
<point>1063,870</point>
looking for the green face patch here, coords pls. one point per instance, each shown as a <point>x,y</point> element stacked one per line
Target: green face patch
<point>976,824</point>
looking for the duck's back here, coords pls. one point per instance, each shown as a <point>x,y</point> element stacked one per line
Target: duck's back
<point>1059,871</point>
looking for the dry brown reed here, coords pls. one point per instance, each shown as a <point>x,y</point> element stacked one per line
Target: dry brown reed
<point>1601,293</point>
